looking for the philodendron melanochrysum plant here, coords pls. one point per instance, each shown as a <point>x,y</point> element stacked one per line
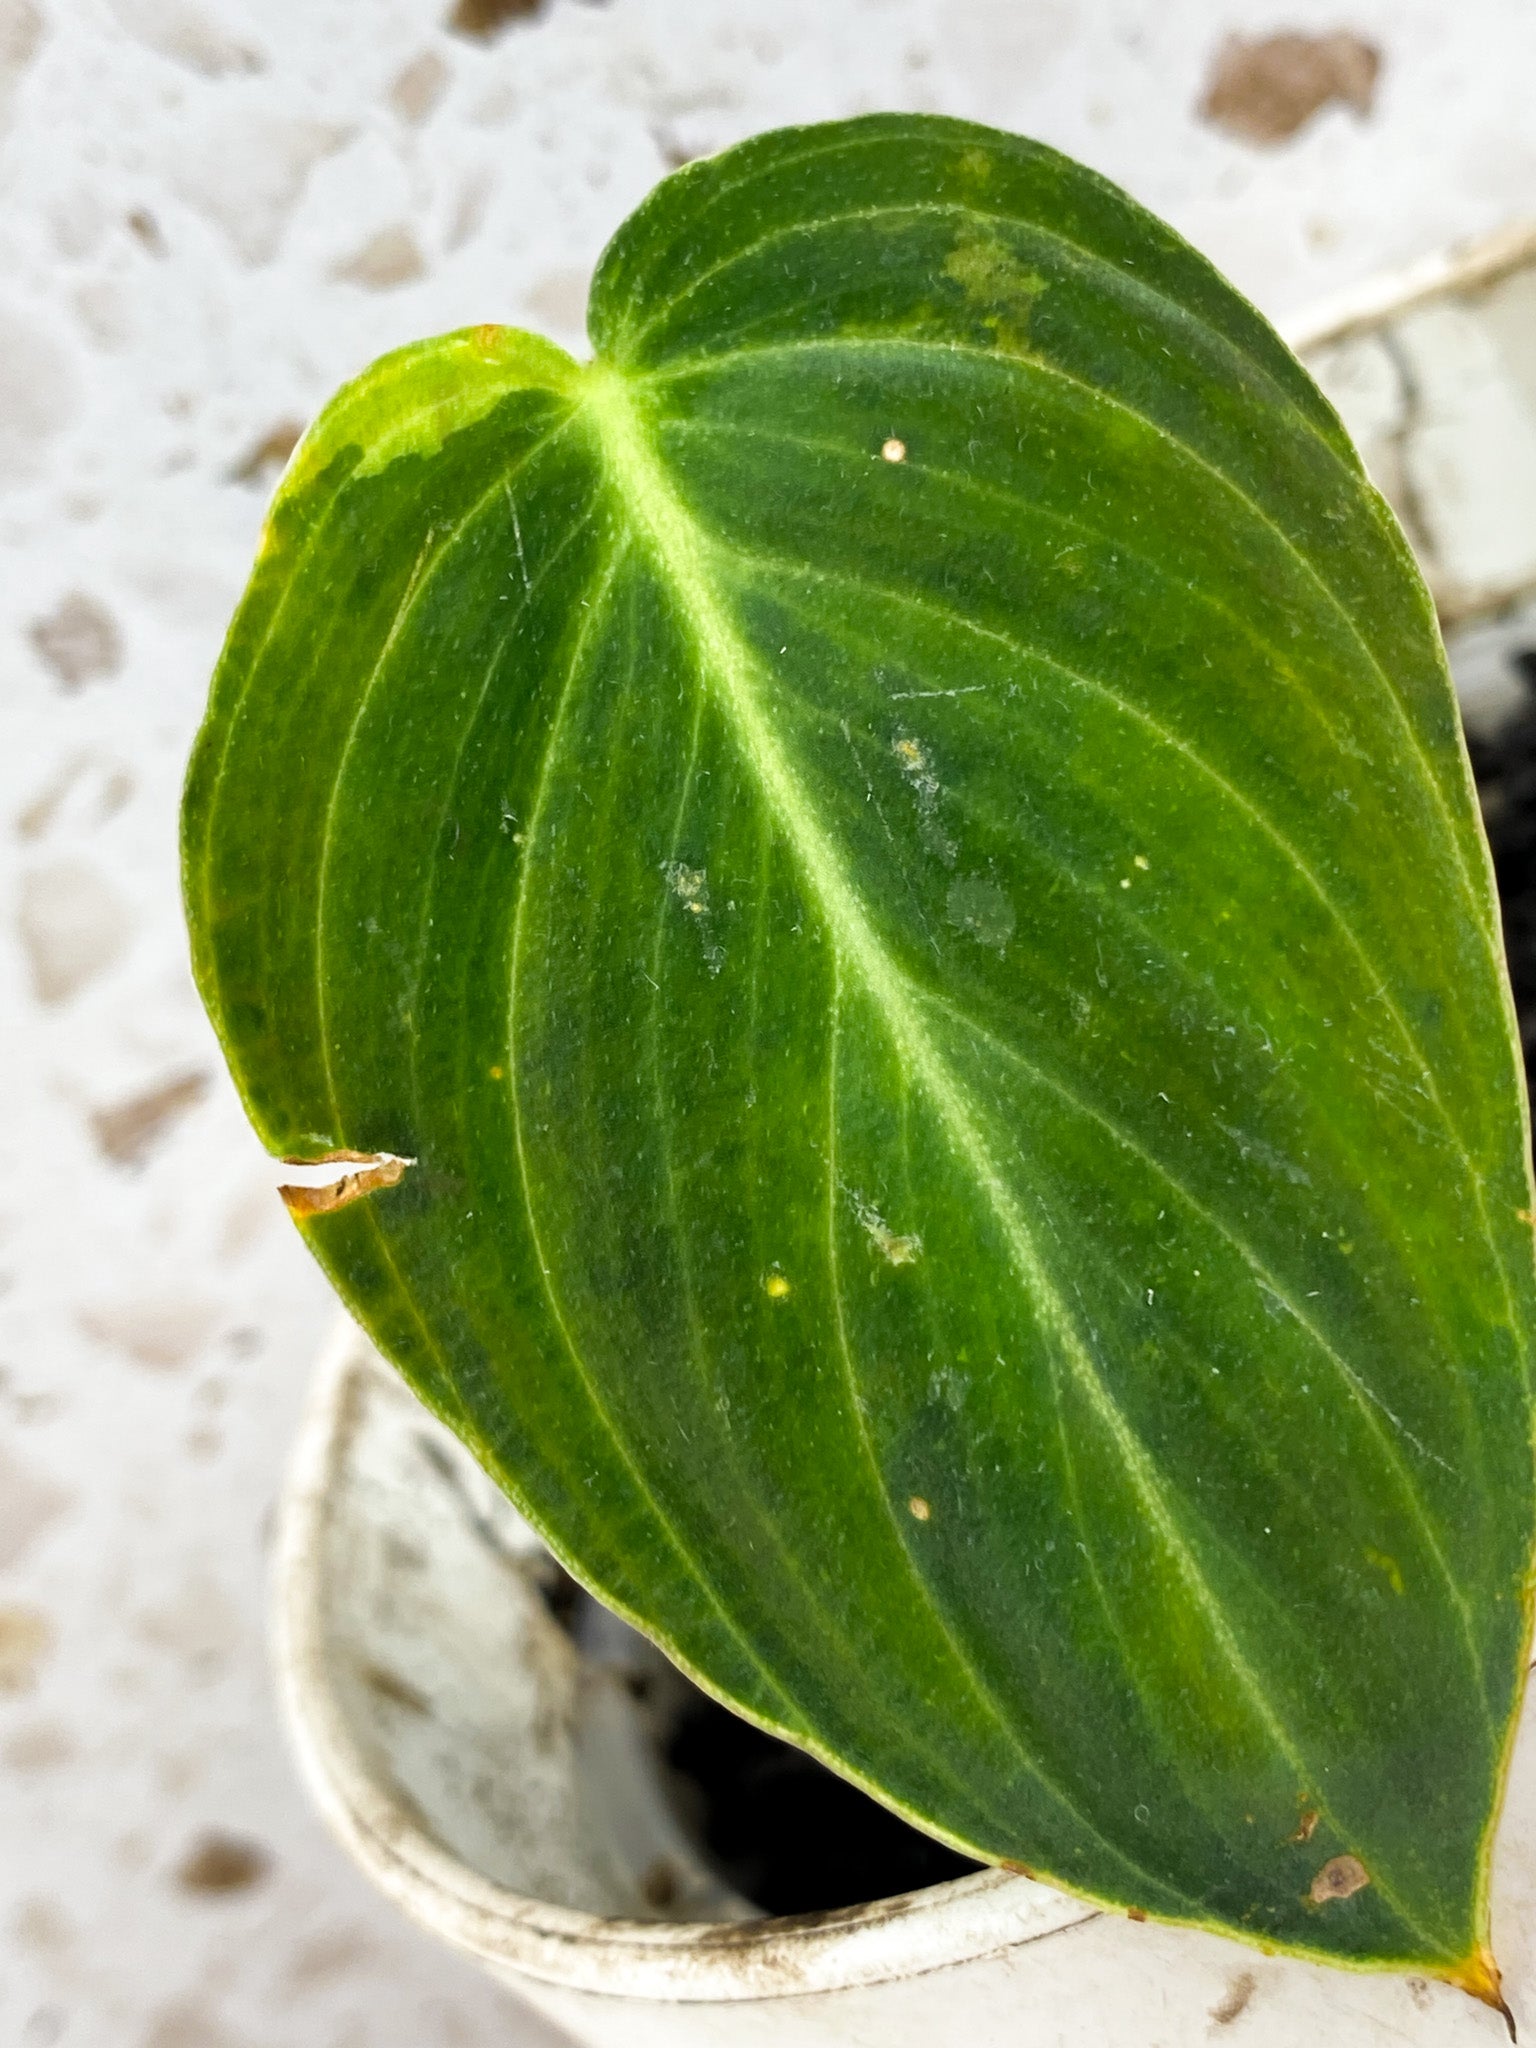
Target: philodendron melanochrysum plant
<point>883,884</point>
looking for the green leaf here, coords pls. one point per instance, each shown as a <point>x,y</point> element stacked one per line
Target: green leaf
<point>896,852</point>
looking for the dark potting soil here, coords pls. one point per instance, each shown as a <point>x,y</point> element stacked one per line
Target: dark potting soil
<point>1504,763</point>
<point>791,1835</point>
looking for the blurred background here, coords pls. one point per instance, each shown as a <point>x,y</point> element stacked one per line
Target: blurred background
<point>211,212</point>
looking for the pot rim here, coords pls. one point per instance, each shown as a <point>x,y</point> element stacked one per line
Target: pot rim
<point>905,1935</point>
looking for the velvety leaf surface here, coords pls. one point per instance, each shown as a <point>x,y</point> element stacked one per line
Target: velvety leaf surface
<point>897,853</point>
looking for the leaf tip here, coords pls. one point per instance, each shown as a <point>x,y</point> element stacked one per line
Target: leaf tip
<point>1479,1977</point>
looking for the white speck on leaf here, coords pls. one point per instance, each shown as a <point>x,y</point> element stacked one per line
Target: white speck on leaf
<point>517,535</point>
<point>894,450</point>
<point>977,905</point>
<point>918,770</point>
<point>915,762</point>
<point>691,888</point>
<point>895,1249</point>
<point>912,696</point>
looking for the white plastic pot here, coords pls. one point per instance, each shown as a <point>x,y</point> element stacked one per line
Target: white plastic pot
<point>498,1784</point>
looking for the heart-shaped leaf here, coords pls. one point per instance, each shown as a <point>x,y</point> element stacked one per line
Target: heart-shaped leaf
<point>896,853</point>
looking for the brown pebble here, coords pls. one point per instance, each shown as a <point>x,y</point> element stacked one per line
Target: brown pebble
<point>418,88</point>
<point>26,1636</point>
<point>218,1863</point>
<point>265,457</point>
<point>129,1131</point>
<point>484,19</point>
<point>1237,2000</point>
<point>389,258</point>
<point>1263,90</point>
<point>78,640</point>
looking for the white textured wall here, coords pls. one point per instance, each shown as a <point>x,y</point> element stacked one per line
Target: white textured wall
<point>210,212</point>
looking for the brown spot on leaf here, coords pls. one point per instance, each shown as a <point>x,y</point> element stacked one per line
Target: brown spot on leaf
<point>484,19</point>
<point>1135,1913</point>
<point>218,1863</point>
<point>26,1636</point>
<point>1340,1878</point>
<point>1236,2002</point>
<point>1264,89</point>
<point>379,1170</point>
<point>268,455</point>
<point>78,640</point>
<point>1306,1827</point>
<point>129,1131</point>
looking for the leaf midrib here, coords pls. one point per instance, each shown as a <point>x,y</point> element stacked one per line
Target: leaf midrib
<point>1468,871</point>
<point>728,667</point>
<point>1249,808</point>
<point>1182,450</point>
<point>788,1724</point>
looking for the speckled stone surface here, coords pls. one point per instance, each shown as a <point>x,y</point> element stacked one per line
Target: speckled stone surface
<point>210,213</point>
